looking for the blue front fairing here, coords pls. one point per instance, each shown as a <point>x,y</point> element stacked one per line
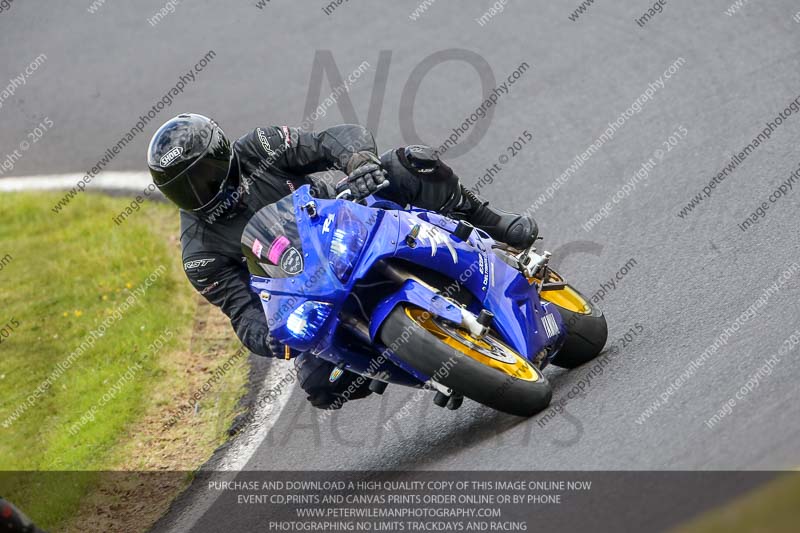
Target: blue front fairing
<point>317,282</point>
<point>472,265</point>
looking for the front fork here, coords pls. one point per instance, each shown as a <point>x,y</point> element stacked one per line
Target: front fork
<point>477,326</point>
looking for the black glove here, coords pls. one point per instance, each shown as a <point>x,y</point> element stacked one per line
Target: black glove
<point>365,176</point>
<point>280,350</point>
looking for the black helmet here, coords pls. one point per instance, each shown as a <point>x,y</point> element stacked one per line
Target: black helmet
<point>192,163</point>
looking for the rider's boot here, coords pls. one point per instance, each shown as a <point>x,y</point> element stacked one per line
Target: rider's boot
<point>519,231</point>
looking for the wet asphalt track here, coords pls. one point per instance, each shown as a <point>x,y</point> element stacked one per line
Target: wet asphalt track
<point>692,278</point>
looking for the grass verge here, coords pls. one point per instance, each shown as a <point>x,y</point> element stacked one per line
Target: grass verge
<point>103,340</point>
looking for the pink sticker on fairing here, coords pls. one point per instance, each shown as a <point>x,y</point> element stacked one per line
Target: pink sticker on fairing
<point>276,250</point>
<point>257,247</point>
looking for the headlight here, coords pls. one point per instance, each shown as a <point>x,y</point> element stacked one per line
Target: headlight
<point>347,241</point>
<point>305,321</point>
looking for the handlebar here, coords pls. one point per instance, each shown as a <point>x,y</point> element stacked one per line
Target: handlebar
<point>347,194</point>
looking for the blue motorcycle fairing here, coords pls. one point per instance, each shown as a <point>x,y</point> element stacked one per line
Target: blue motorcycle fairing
<point>317,282</point>
<point>414,293</point>
<point>472,265</point>
<point>318,289</point>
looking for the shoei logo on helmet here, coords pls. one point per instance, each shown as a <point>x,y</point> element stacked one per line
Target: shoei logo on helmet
<point>171,156</point>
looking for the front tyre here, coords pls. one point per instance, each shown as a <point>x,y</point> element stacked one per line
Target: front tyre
<point>485,370</point>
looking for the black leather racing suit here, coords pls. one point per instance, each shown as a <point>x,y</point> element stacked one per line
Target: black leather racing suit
<point>273,162</point>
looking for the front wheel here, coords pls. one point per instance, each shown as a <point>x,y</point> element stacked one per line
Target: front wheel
<point>485,370</point>
<point>585,326</point>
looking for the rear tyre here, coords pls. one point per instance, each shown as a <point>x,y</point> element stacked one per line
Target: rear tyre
<point>585,326</point>
<point>485,370</point>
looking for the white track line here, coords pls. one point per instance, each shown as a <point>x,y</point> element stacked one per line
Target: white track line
<point>114,181</point>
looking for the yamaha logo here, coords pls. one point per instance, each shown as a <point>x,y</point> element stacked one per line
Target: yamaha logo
<point>171,156</point>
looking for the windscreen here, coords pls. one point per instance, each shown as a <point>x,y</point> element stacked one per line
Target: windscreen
<point>271,241</point>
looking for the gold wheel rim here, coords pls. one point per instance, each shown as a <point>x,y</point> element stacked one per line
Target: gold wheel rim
<point>502,357</point>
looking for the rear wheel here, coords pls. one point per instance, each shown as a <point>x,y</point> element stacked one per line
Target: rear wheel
<point>485,370</point>
<point>585,325</point>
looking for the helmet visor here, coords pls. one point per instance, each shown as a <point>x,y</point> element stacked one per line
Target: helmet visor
<point>197,185</point>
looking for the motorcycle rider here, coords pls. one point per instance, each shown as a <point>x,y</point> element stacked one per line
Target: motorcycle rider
<point>219,185</point>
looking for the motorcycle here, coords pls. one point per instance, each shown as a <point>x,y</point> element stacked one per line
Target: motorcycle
<point>412,297</point>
